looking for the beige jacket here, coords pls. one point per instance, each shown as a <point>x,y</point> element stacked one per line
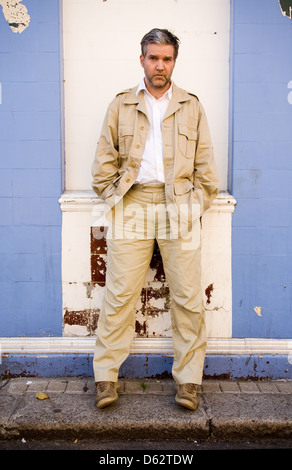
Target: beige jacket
<point>189,165</point>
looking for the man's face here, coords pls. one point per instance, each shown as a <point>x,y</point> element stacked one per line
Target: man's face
<point>158,65</point>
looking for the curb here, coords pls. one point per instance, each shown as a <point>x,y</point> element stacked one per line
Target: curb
<point>146,410</point>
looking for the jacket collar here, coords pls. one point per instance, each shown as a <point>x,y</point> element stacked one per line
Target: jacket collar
<point>178,96</point>
<point>142,86</point>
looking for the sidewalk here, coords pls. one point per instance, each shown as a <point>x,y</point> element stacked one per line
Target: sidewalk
<point>146,410</point>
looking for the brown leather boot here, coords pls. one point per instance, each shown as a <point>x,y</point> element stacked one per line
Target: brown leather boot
<point>187,396</point>
<point>107,393</point>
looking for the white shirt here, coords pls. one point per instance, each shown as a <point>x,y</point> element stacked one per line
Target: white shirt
<point>152,167</point>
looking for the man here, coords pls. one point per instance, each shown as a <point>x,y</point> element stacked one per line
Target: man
<point>154,165</point>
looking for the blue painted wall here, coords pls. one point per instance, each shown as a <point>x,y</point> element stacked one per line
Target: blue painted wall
<point>31,174</point>
<point>262,170</point>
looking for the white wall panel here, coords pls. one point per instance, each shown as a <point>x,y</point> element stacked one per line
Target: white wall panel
<point>101,57</point>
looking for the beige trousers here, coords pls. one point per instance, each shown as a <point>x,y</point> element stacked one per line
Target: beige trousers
<point>137,220</point>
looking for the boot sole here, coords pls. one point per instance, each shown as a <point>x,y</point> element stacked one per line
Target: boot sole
<point>186,403</point>
<point>107,401</point>
<point>103,403</point>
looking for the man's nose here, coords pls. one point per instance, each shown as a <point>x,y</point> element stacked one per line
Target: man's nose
<point>159,65</point>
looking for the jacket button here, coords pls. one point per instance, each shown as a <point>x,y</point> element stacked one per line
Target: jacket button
<point>128,180</point>
<point>138,146</point>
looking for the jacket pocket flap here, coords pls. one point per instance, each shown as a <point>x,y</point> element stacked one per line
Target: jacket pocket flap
<point>126,130</point>
<point>183,187</point>
<point>191,134</point>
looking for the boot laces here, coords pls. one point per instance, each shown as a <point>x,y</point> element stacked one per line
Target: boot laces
<point>104,386</point>
<point>189,388</point>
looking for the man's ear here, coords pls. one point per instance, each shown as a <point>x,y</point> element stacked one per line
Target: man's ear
<point>142,60</point>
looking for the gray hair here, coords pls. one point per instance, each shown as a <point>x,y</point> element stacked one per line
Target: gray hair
<point>160,36</point>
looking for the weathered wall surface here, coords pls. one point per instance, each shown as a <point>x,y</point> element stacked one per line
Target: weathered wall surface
<point>48,318</point>
<point>95,69</point>
<point>84,269</point>
<point>262,170</point>
<point>30,169</point>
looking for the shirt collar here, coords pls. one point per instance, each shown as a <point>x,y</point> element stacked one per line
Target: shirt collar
<point>142,86</point>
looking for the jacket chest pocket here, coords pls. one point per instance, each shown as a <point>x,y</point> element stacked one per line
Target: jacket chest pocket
<point>126,135</point>
<point>187,141</point>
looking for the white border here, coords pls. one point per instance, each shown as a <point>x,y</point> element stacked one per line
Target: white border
<point>161,346</point>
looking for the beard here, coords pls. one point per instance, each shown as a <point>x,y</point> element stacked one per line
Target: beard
<point>159,81</point>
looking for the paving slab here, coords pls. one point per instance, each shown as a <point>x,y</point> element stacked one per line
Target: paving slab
<point>8,404</point>
<point>252,415</point>
<point>134,416</point>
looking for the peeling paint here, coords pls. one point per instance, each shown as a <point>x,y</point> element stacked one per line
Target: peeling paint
<point>258,311</point>
<point>150,295</point>
<point>286,8</point>
<point>153,318</point>
<point>98,240</point>
<point>98,269</point>
<point>140,328</point>
<point>208,292</point>
<point>89,286</point>
<point>87,318</point>
<point>157,265</point>
<point>98,248</point>
<point>154,299</point>
<point>16,15</point>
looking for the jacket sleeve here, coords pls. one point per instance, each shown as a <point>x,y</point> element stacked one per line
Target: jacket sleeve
<point>206,179</point>
<point>105,165</point>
